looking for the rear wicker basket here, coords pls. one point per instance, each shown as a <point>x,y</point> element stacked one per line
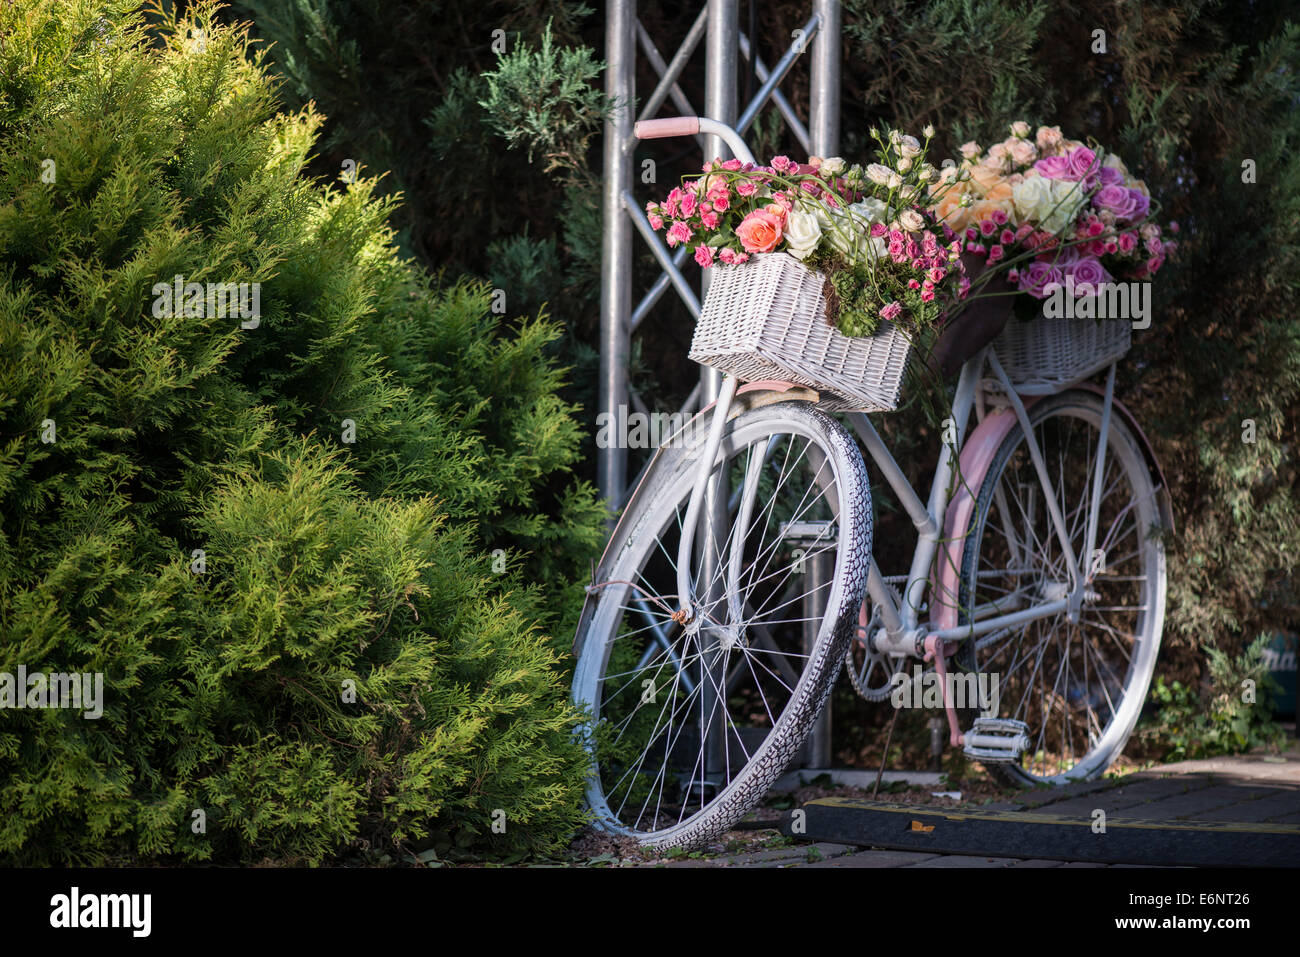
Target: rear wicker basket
<point>1044,356</point>
<point>766,319</point>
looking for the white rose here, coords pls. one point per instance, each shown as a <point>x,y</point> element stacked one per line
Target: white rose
<point>894,181</point>
<point>909,146</point>
<point>911,220</point>
<point>1020,128</point>
<point>869,210</point>
<point>802,234</point>
<point>1032,198</point>
<point>832,166</point>
<point>880,174</point>
<point>1067,199</point>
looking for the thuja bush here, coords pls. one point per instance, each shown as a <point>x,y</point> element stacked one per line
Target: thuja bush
<point>314,544</point>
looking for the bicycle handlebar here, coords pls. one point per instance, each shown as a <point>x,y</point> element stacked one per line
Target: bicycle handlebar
<point>689,126</point>
<point>670,126</point>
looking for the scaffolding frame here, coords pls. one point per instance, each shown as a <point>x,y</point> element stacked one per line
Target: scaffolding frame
<point>718,26</point>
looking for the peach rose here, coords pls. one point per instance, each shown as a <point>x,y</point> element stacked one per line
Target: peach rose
<point>983,209</point>
<point>759,232</point>
<point>950,211</point>
<point>991,182</point>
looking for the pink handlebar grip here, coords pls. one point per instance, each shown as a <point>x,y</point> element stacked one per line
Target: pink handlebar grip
<point>670,126</point>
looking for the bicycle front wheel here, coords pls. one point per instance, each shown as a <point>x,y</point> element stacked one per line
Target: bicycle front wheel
<point>693,719</point>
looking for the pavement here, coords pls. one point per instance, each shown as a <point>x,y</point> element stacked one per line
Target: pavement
<point>1192,813</point>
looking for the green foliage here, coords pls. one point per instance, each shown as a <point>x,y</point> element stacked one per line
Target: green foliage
<point>347,667</point>
<point>543,100</point>
<point>1224,721</point>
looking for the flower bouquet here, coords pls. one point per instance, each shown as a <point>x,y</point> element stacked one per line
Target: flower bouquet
<point>1070,227</point>
<point>820,273</point>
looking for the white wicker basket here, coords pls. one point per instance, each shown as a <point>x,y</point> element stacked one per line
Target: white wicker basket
<point>1045,355</point>
<point>766,319</point>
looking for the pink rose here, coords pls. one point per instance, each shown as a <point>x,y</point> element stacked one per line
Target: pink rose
<point>746,187</point>
<point>759,232</point>
<point>1127,242</point>
<point>1023,152</point>
<point>1088,275</point>
<point>891,311</point>
<point>709,219</point>
<point>731,165</point>
<point>1141,204</point>
<point>1037,276</point>
<point>1053,167</point>
<point>1048,137</point>
<point>1083,165</point>
<point>704,256</point>
<point>1116,199</point>
<point>678,232</point>
<point>1110,176</point>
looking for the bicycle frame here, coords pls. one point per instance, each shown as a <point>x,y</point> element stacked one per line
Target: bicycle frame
<point>903,633</point>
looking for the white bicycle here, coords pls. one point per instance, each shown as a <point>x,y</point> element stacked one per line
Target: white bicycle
<point>740,578</point>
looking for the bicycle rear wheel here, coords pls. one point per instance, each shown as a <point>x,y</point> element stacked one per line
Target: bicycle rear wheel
<point>692,721</point>
<point>1078,684</point>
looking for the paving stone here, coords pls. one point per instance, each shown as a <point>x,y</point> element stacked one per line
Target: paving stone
<point>1261,809</point>
<point>962,860</point>
<point>796,852</point>
<point>1083,864</point>
<point>1037,862</point>
<point>1286,819</point>
<point>1142,794</point>
<point>1204,804</point>
<point>1041,797</point>
<point>874,858</point>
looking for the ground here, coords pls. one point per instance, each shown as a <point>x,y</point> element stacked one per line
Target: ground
<point>1261,790</point>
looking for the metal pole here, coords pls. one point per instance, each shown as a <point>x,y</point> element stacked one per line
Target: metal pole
<point>616,244</point>
<point>722,50</point>
<point>824,108</point>
<point>824,133</point>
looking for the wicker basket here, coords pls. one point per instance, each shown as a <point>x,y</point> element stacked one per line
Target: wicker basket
<point>1044,356</point>
<point>766,319</point>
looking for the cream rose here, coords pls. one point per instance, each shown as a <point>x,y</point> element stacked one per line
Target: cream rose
<point>911,220</point>
<point>1067,198</point>
<point>832,166</point>
<point>879,174</point>
<point>802,234</point>
<point>1032,198</point>
<point>909,146</point>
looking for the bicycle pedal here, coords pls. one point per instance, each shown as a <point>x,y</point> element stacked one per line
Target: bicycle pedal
<point>996,740</point>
